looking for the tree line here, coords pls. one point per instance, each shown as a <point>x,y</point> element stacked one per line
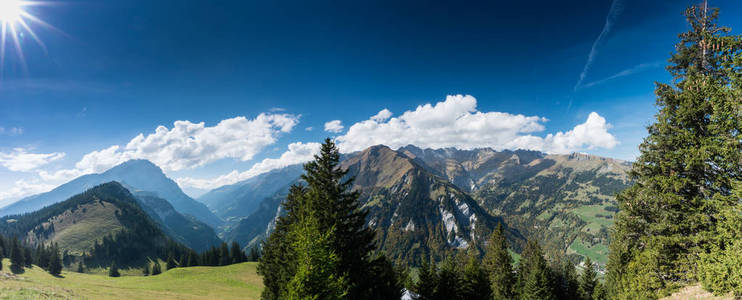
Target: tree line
<point>495,277</point>
<point>24,256</point>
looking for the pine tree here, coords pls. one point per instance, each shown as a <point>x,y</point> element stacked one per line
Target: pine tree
<point>156,268</point>
<point>534,275</point>
<point>42,257</point>
<point>476,283</point>
<point>27,257</point>
<point>720,270</point>
<point>80,268</point>
<point>387,281</point>
<point>566,284</point>
<point>427,282</point>
<point>16,257</point>
<point>224,258</point>
<point>192,259</point>
<point>113,271</point>
<point>171,262</point>
<point>316,275</point>
<point>55,262</point>
<point>328,195</point>
<point>600,293</point>
<point>588,280</point>
<point>686,167</point>
<point>254,254</point>
<point>498,263</point>
<point>449,281</point>
<point>145,270</point>
<point>236,253</point>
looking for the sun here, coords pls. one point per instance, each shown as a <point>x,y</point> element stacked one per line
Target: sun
<point>15,23</point>
<point>10,11</point>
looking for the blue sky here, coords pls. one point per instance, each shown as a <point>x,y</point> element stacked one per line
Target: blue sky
<point>113,70</point>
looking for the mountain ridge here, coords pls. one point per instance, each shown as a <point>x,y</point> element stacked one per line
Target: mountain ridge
<point>141,174</point>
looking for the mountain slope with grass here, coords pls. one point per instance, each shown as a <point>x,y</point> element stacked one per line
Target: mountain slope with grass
<point>103,224</point>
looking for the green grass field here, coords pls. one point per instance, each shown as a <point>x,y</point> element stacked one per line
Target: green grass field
<point>597,253</point>
<point>239,281</point>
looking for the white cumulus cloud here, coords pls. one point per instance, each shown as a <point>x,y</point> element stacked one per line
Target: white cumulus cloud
<point>297,153</point>
<point>456,122</point>
<point>23,188</point>
<point>187,145</point>
<point>334,126</point>
<point>20,160</point>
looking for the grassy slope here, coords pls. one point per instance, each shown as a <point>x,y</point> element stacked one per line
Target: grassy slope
<point>238,281</point>
<point>77,231</point>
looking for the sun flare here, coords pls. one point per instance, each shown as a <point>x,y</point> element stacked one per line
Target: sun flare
<point>15,21</point>
<point>10,10</point>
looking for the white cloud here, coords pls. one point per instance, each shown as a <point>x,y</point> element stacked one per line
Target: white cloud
<point>309,128</point>
<point>586,136</point>
<point>20,160</point>
<point>334,126</point>
<point>23,188</point>
<point>187,145</point>
<point>12,131</point>
<point>382,116</point>
<point>456,122</point>
<point>297,153</point>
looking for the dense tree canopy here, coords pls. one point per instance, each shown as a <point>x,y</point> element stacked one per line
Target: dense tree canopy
<point>689,161</point>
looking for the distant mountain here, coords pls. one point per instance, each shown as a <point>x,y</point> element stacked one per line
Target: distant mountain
<point>243,198</point>
<point>140,174</point>
<point>184,229</point>
<point>415,213</point>
<point>564,201</point>
<point>105,222</point>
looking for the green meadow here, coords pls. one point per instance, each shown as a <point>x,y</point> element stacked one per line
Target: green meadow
<point>238,281</point>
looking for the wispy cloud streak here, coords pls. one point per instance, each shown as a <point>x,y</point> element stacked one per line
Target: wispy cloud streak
<point>613,14</point>
<point>633,70</point>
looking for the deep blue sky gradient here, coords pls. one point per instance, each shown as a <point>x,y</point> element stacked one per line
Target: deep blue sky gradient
<point>123,67</point>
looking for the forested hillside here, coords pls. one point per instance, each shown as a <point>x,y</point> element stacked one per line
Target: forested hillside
<point>101,225</point>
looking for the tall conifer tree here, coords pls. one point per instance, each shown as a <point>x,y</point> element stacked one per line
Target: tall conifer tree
<point>16,257</point>
<point>327,193</point>
<point>476,284</point>
<point>498,263</point>
<point>588,280</point>
<point>684,174</point>
<point>55,261</point>
<point>534,275</point>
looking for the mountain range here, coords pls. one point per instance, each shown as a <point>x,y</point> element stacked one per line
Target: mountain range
<point>426,202</point>
<point>422,203</point>
<point>139,174</point>
<point>178,214</point>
